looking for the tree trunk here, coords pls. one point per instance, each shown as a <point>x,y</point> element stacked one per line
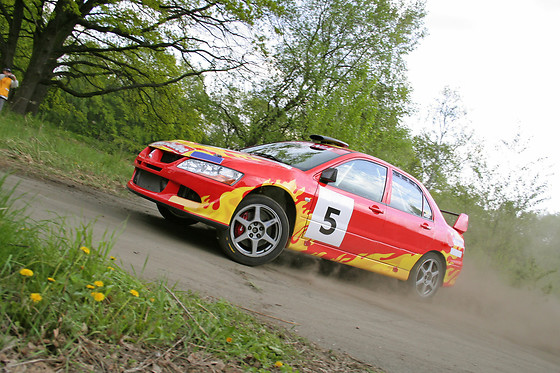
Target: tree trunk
<point>48,43</point>
<point>27,98</point>
<point>9,47</point>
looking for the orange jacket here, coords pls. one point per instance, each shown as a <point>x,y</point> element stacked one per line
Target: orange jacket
<point>5,84</point>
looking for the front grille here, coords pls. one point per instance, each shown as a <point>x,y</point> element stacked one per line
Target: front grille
<point>147,180</point>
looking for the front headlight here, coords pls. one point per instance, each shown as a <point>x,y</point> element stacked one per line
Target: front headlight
<point>213,171</point>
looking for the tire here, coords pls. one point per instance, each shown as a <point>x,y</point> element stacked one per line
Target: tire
<point>426,276</point>
<point>257,233</point>
<point>175,216</point>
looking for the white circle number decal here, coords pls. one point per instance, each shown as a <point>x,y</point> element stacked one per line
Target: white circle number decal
<point>330,218</point>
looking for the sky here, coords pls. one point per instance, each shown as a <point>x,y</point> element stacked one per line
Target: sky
<point>503,58</point>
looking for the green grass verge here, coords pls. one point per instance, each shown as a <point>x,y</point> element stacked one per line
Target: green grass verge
<point>30,144</point>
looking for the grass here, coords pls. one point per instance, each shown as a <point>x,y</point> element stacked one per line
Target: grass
<point>67,305</point>
<point>29,144</point>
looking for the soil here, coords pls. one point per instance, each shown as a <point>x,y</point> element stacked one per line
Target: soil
<point>479,325</point>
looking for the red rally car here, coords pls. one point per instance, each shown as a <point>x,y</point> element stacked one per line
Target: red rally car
<point>316,197</point>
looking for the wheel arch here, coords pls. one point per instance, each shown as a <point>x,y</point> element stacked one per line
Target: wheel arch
<point>442,258</point>
<point>283,198</point>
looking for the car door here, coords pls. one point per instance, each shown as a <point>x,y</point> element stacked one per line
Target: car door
<point>409,223</point>
<point>348,213</point>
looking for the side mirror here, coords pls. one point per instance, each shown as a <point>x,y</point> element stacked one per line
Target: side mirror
<point>462,223</point>
<point>328,175</point>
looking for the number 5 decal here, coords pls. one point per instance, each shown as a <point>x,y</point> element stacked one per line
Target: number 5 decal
<point>330,217</point>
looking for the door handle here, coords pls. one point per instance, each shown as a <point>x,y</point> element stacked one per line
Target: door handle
<point>376,210</point>
<point>426,226</point>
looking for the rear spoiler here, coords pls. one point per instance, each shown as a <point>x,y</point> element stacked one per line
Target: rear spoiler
<point>461,224</point>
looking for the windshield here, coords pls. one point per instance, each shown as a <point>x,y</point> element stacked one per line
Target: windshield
<point>304,156</point>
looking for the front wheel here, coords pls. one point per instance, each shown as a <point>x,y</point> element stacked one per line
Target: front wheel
<point>426,276</point>
<point>257,233</point>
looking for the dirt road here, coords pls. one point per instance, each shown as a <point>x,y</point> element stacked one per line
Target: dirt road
<point>477,326</point>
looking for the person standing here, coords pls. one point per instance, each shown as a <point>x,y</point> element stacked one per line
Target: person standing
<point>7,82</point>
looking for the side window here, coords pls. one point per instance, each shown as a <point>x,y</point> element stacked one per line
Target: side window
<point>363,178</point>
<point>407,196</point>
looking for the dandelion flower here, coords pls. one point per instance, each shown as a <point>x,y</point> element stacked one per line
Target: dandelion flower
<point>99,284</point>
<point>50,279</point>
<point>36,297</point>
<point>90,286</point>
<point>110,268</point>
<point>228,339</point>
<point>134,292</point>
<point>26,272</point>
<point>85,250</point>
<point>98,297</point>
<point>279,364</point>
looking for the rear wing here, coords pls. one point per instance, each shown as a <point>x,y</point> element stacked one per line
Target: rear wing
<point>462,223</point>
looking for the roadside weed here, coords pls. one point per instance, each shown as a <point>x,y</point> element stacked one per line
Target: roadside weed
<point>58,287</point>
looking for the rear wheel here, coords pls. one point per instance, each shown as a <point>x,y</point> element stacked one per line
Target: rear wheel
<point>175,215</point>
<point>426,276</point>
<point>257,233</point>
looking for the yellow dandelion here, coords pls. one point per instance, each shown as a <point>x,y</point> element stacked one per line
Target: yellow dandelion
<point>85,250</point>
<point>110,268</point>
<point>112,258</point>
<point>99,284</point>
<point>90,286</point>
<point>279,364</point>
<point>98,297</point>
<point>36,297</point>
<point>26,272</point>
<point>228,339</point>
<point>50,279</point>
<point>134,292</point>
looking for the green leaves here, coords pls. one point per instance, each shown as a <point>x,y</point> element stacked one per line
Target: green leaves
<point>335,68</point>
<point>97,47</point>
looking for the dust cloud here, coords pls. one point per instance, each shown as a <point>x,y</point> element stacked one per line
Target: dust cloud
<point>479,300</point>
<point>524,317</point>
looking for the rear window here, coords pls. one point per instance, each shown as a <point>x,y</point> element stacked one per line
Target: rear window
<point>304,156</point>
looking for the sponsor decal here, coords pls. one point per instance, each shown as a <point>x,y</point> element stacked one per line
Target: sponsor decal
<point>207,157</point>
<point>456,252</point>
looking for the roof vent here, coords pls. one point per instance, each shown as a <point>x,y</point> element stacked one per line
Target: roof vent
<point>328,140</point>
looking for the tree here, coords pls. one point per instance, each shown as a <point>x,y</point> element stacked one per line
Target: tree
<point>498,193</point>
<point>129,44</point>
<point>516,179</point>
<point>130,119</point>
<point>337,69</point>
<point>446,148</point>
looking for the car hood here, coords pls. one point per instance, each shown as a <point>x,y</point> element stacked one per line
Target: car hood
<point>230,158</point>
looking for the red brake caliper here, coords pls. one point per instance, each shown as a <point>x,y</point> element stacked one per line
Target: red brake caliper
<point>239,228</point>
